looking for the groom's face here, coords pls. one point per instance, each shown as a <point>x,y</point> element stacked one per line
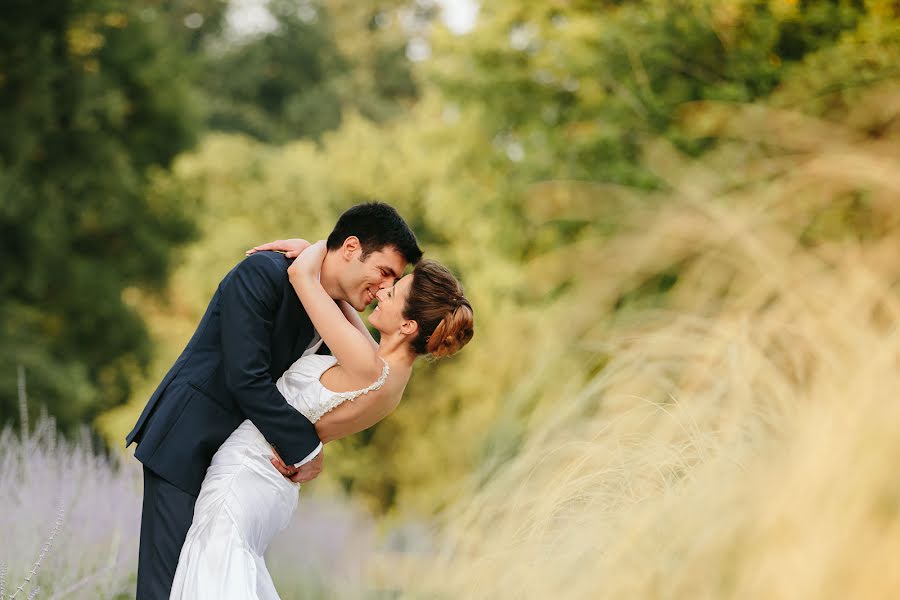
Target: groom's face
<point>361,278</point>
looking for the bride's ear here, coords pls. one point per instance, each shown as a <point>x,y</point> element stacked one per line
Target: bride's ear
<point>409,327</point>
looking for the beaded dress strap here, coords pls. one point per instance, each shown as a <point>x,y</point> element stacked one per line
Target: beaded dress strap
<point>338,398</point>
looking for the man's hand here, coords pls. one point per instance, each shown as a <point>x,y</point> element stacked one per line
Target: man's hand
<point>302,474</point>
<point>291,248</point>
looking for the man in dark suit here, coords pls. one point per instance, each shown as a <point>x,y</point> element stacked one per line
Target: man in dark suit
<point>254,328</point>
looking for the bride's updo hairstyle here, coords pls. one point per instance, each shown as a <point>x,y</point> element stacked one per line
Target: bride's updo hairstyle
<point>437,304</point>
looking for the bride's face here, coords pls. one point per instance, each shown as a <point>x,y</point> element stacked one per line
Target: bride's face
<point>388,315</point>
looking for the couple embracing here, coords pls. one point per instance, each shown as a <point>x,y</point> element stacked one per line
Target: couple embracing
<point>280,364</point>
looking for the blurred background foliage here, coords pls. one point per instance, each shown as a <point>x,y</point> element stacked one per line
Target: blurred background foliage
<point>145,145</point>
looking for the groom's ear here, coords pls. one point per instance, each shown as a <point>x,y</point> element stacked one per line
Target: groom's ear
<point>350,248</point>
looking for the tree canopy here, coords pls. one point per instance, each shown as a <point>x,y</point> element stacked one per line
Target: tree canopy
<point>93,101</point>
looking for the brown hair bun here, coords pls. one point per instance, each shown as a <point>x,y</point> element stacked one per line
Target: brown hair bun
<point>437,304</point>
<point>452,333</point>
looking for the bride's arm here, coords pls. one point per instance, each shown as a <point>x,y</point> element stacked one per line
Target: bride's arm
<point>357,322</point>
<point>291,248</point>
<point>350,346</point>
<point>351,417</point>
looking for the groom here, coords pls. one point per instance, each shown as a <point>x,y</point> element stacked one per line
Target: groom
<point>254,328</point>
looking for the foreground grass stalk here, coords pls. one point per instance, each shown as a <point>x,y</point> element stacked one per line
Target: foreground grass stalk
<point>60,515</point>
<point>23,404</point>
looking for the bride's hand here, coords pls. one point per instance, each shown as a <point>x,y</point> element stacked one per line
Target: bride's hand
<point>310,260</point>
<point>291,248</point>
<point>302,474</point>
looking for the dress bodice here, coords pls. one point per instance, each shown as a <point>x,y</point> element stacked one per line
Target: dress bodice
<point>301,387</point>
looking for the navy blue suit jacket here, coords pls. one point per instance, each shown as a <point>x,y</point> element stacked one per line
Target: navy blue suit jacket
<point>254,328</point>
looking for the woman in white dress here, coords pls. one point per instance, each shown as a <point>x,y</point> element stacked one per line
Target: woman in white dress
<point>244,500</point>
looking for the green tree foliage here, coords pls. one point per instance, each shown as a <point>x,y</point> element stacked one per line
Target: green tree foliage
<point>193,23</point>
<point>298,80</point>
<point>94,99</point>
<point>576,89</point>
<point>282,85</point>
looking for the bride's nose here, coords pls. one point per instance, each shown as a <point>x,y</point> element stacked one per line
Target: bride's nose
<point>379,295</point>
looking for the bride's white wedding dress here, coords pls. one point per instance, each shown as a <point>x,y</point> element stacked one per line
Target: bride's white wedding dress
<point>245,501</point>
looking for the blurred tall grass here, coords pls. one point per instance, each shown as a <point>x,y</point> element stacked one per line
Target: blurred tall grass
<point>740,433</point>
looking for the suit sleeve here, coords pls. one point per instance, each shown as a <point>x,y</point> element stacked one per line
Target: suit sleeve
<point>249,304</point>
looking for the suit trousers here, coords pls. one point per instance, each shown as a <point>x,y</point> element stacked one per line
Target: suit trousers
<point>165,521</point>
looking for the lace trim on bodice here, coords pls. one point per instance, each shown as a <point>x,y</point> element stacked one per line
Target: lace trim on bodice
<point>338,398</point>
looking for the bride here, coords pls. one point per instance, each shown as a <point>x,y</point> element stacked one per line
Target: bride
<point>244,501</point>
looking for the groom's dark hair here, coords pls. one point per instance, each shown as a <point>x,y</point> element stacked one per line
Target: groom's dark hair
<point>376,225</point>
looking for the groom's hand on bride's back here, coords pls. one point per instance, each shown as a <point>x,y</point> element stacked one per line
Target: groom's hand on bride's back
<point>291,248</point>
<point>305,472</point>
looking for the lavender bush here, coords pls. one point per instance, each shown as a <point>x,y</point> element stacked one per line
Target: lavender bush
<point>325,552</point>
<point>72,508</point>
